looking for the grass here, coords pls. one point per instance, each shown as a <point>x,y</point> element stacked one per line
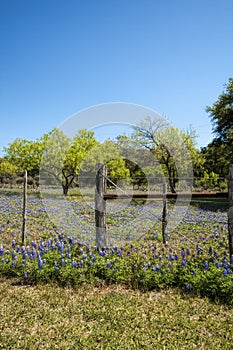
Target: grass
<point>109,317</point>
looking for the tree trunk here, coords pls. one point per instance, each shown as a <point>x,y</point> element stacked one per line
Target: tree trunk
<point>171,185</point>
<point>65,188</point>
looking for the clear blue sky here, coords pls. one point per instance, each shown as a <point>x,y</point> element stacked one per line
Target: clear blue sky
<point>61,56</point>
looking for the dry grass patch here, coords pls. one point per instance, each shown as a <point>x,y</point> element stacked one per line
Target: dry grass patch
<point>109,317</point>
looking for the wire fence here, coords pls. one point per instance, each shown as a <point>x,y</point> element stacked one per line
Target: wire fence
<point>131,217</point>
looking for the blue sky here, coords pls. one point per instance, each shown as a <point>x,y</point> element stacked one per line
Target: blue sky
<point>61,56</point>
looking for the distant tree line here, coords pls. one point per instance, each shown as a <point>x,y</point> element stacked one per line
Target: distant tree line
<point>154,150</point>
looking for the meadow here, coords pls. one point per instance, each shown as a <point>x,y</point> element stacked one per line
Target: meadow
<point>60,293</point>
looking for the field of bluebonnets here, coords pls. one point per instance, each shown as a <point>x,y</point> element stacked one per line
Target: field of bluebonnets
<point>57,292</point>
<point>195,259</point>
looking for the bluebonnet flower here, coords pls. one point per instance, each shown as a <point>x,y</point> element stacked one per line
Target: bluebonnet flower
<point>33,244</point>
<point>74,263</point>
<point>1,250</point>
<point>182,253</point>
<point>187,251</point>
<point>156,268</point>
<point>224,272</point>
<point>188,287</point>
<point>101,253</point>
<point>119,253</point>
<point>206,265</point>
<point>40,264</point>
<point>184,262</point>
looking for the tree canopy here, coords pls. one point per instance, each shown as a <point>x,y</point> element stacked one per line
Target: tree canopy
<point>221,113</point>
<point>219,153</point>
<point>170,146</point>
<point>63,156</point>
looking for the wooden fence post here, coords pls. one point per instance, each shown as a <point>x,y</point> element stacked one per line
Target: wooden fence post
<point>24,206</point>
<point>164,214</point>
<point>230,213</point>
<point>100,206</point>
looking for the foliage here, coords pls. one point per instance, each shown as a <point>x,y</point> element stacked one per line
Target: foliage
<point>221,113</point>
<point>173,148</point>
<point>219,156</point>
<point>209,181</point>
<point>219,153</point>
<point>63,157</point>
<point>7,169</point>
<point>110,154</point>
<point>117,170</point>
<point>25,155</point>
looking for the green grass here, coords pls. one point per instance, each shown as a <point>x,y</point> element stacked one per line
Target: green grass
<point>109,317</point>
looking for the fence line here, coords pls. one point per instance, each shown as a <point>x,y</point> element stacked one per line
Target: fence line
<point>102,196</point>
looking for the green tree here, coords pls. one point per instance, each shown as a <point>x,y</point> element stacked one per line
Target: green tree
<point>7,170</point>
<point>25,155</point>
<point>219,153</point>
<point>173,148</point>
<point>221,113</point>
<point>63,157</point>
<point>117,170</point>
<point>110,154</point>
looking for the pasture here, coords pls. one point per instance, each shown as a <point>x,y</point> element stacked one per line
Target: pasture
<point>59,293</point>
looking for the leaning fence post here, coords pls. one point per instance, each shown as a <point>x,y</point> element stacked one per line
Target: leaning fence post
<point>164,214</point>
<point>24,206</point>
<point>230,213</point>
<point>100,206</point>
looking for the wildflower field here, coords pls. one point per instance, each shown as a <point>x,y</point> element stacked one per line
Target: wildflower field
<point>60,293</point>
